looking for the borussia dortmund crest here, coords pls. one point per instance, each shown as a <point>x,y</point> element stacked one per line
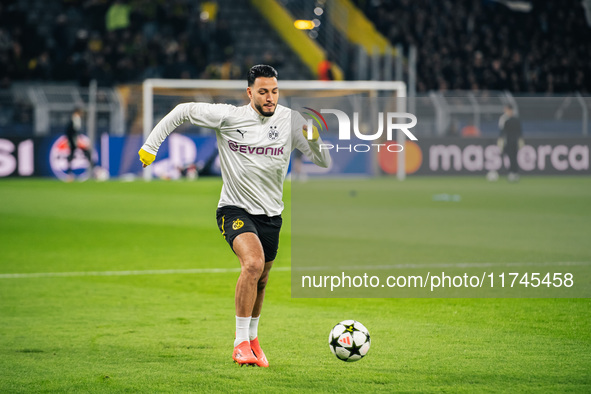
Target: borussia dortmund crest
<point>273,133</point>
<point>237,224</point>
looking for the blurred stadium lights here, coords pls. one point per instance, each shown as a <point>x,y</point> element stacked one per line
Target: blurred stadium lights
<point>302,24</point>
<point>204,16</point>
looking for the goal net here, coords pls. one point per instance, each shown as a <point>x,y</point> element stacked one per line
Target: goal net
<point>360,99</point>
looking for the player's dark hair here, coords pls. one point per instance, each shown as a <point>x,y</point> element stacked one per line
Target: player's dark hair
<point>260,70</point>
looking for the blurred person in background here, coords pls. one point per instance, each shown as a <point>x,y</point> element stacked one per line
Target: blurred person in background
<point>118,16</point>
<point>325,70</point>
<point>510,140</point>
<point>73,130</point>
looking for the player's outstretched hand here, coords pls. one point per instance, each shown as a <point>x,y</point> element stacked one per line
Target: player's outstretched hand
<point>146,158</point>
<point>315,134</point>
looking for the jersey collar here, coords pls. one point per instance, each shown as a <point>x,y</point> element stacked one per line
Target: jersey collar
<point>261,118</point>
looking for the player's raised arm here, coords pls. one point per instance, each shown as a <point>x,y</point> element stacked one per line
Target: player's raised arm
<point>199,114</point>
<point>310,147</point>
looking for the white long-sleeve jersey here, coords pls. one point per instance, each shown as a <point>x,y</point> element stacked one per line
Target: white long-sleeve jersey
<point>254,150</point>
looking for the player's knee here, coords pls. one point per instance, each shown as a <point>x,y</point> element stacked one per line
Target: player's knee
<point>253,267</point>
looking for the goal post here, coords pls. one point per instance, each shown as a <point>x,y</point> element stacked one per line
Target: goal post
<point>237,88</point>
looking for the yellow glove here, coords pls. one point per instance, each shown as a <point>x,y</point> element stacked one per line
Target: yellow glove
<point>315,134</point>
<point>521,143</point>
<point>501,143</point>
<point>146,157</point>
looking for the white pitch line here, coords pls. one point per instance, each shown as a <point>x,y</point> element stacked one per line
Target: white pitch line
<point>300,269</point>
<point>128,273</point>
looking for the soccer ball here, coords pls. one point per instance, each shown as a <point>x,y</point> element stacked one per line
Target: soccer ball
<point>349,340</point>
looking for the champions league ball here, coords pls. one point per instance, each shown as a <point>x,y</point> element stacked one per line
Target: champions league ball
<point>349,340</point>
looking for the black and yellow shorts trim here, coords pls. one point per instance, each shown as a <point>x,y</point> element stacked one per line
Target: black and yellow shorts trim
<point>233,221</point>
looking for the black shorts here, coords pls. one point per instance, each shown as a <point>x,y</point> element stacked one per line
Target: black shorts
<point>233,221</point>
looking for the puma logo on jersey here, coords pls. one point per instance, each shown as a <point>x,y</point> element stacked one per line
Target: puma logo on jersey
<point>242,132</point>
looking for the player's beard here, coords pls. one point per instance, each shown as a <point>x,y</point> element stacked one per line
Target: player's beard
<point>261,110</point>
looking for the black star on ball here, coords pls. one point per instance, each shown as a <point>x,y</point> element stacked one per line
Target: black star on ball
<point>354,349</point>
<point>335,342</point>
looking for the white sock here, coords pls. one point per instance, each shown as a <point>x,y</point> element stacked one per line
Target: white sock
<point>253,329</point>
<point>242,325</point>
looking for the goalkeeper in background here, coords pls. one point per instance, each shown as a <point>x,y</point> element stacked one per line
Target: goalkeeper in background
<point>255,142</point>
<point>510,140</point>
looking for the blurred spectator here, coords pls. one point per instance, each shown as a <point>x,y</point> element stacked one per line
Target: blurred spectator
<point>40,67</point>
<point>223,38</point>
<point>230,70</point>
<point>325,70</point>
<point>117,17</point>
<point>18,65</point>
<point>178,67</point>
<point>273,59</point>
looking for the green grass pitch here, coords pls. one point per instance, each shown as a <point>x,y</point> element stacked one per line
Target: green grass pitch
<point>173,332</point>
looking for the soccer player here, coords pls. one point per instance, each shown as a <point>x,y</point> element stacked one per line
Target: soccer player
<point>510,140</point>
<point>73,130</point>
<point>254,142</point>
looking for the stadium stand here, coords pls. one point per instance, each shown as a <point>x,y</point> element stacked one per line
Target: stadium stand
<point>485,45</point>
<point>121,41</point>
<point>476,46</point>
